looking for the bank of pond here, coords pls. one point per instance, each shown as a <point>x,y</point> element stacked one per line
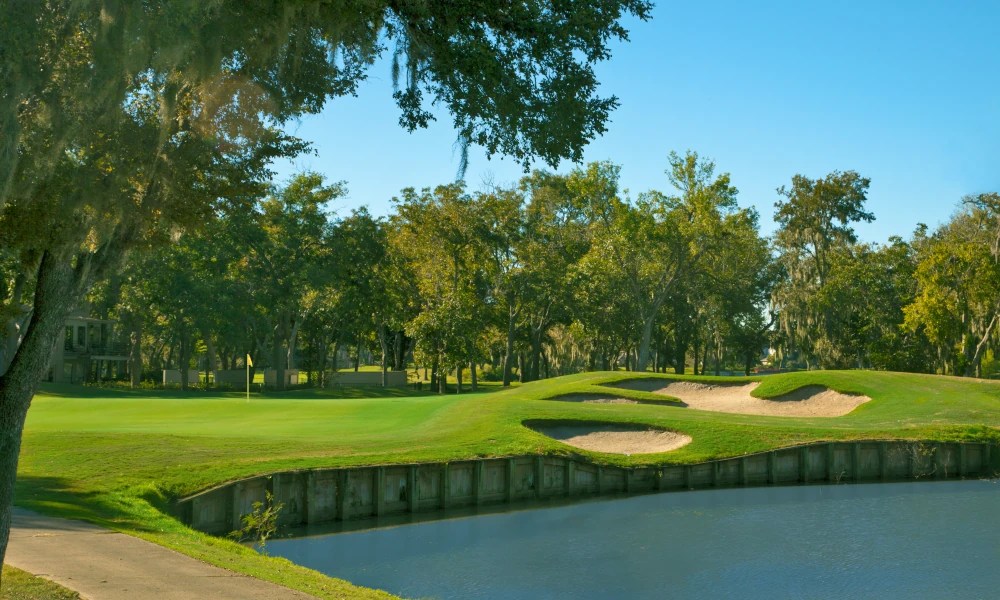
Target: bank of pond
<point>322,495</point>
<point>565,527</point>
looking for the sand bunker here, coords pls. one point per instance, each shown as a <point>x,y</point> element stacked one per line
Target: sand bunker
<point>616,439</point>
<point>808,401</point>
<point>594,399</point>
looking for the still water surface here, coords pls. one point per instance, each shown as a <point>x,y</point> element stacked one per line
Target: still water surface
<point>897,540</point>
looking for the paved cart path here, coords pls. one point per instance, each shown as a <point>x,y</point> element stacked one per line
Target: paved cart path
<point>105,565</point>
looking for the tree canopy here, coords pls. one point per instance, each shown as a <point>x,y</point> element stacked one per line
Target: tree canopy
<point>125,122</point>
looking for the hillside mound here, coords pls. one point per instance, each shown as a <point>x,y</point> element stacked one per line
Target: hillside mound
<point>807,401</point>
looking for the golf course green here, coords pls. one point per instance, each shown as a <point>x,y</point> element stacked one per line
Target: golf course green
<point>119,458</point>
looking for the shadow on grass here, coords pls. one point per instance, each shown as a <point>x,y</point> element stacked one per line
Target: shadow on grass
<point>136,510</point>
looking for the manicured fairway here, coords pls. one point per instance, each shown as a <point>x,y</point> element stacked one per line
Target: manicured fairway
<point>118,458</point>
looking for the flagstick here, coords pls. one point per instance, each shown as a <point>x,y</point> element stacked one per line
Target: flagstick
<point>248,378</point>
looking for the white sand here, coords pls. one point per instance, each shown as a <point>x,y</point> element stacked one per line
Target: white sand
<point>616,439</point>
<point>594,399</point>
<point>808,401</point>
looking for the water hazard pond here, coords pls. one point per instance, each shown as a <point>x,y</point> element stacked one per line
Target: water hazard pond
<point>895,540</point>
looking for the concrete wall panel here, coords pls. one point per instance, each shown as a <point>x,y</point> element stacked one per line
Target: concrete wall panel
<point>612,480</point>
<point>245,493</point>
<point>843,469</point>
<point>359,500</point>
<point>524,478</point>
<point>948,460</point>
<point>396,493</point>
<point>756,469</point>
<point>817,461</point>
<point>429,485</point>
<point>643,480</point>
<point>290,491</point>
<point>584,479</point>
<point>728,473</point>
<point>460,483</point>
<point>493,483</point>
<point>323,495</point>
<point>553,477</point>
<point>786,466</point>
<point>702,475</point>
<point>210,512</point>
<point>673,478</point>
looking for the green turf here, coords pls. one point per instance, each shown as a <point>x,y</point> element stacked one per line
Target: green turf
<point>118,458</point>
<point>18,585</point>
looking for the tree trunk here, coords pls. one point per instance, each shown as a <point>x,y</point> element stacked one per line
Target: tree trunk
<point>135,357</point>
<point>383,341</point>
<point>184,357</point>
<point>324,356</point>
<point>56,289</point>
<point>210,355</point>
<point>279,355</point>
<point>680,355</point>
<point>718,357</point>
<point>972,367</point>
<point>335,360</point>
<point>399,352</point>
<point>647,336</point>
<point>385,371</point>
<point>292,341</point>
<point>509,351</point>
<point>697,356</point>
<point>442,378</point>
<point>534,369</point>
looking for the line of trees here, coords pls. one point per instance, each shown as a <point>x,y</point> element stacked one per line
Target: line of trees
<point>564,273</point>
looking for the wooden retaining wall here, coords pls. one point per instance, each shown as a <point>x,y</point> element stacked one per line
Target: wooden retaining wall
<point>323,495</point>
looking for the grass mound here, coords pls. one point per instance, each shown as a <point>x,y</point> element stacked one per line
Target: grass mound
<point>739,398</point>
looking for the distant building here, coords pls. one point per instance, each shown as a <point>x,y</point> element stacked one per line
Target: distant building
<point>88,351</point>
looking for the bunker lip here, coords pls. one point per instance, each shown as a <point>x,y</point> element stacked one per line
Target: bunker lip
<point>612,438</point>
<point>806,401</point>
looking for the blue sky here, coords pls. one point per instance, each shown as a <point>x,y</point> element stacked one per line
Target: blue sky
<point>906,93</point>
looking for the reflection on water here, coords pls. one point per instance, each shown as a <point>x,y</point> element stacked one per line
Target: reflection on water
<point>898,540</point>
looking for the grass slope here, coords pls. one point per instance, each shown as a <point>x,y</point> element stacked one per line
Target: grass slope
<point>118,458</point>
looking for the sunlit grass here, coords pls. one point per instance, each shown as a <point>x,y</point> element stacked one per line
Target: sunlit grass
<point>19,585</point>
<point>119,458</point>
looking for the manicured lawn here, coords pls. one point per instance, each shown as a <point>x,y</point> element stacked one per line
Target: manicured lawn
<point>18,585</point>
<point>118,458</point>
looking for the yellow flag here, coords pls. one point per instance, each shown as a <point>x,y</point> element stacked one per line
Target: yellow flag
<point>249,362</point>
